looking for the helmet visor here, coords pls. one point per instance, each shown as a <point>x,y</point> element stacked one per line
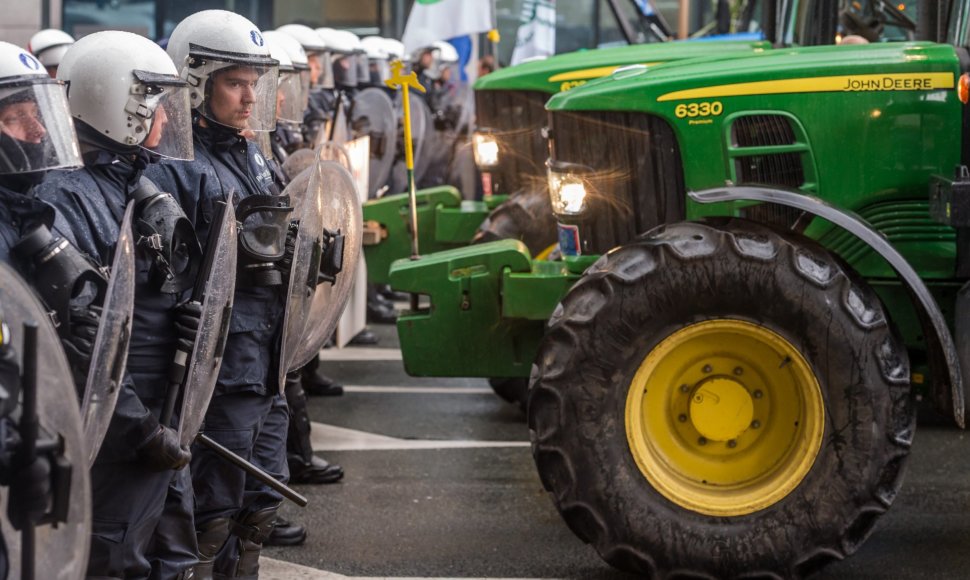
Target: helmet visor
<point>242,96</point>
<point>326,80</point>
<point>380,71</point>
<point>345,70</point>
<point>290,97</point>
<point>170,132</point>
<point>363,70</point>
<point>36,129</point>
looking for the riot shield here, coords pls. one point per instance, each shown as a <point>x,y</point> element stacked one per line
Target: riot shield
<point>306,193</point>
<point>341,214</point>
<point>202,369</point>
<point>333,152</point>
<point>298,162</point>
<point>110,350</point>
<point>422,131</point>
<point>373,115</point>
<point>62,539</point>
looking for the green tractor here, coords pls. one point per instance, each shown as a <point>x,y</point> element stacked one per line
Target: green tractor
<point>490,303</point>
<point>765,262</point>
<point>511,151</point>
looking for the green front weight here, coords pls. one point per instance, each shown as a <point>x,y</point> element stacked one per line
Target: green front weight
<point>489,306</point>
<point>444,222</point>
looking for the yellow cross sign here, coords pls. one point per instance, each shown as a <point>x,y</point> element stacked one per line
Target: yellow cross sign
<point>404,82</point>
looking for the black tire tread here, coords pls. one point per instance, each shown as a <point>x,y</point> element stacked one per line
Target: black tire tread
<point>638,263</point>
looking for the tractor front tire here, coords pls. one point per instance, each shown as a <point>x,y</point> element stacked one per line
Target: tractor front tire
<point>719,400</point>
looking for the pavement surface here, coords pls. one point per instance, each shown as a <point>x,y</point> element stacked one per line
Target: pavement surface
<point>440,484</point>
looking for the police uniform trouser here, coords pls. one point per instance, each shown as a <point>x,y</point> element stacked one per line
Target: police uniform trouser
<point>228,501</point>
<point>142,525</point>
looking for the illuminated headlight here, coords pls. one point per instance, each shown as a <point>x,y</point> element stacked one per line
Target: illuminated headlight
<point>485,147</point>
<point>567,192</point>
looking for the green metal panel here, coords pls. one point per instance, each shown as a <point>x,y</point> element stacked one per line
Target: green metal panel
<point>464,332</point>
<point>534,295</point>
<point>565,71</point>
<point>458,225</point>
<point>868,141</point>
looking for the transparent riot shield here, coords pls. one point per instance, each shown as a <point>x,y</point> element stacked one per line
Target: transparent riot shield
<point>341,214</point>
<point>203,366</point>
<point>298,162</point>
<point>62,538</point>
<point>307,200</point>
<point>422,132</point>
<point>373,116</point>
<point>110,350</point>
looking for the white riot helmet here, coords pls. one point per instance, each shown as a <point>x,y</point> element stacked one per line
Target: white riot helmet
<point>36,132</point>
<point>125,88</point>
<point>444,56</point>
<point>49,46</point>
<point>220,53</point>
<point>394,48</point>
<point>317,57</point>
<point>378,60</point>
<point>294,83</point>
<point>344,48</point>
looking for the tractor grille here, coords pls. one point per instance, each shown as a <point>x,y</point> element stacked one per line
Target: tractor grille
<point>637,180</point>
<point>517,117</point>
<point>783,169</point>
<point>762,131</point>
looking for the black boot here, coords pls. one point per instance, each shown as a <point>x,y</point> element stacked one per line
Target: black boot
<point>304,466</point>
<point>380,310</point>
<point>316,384</point>
<point>285,533</point>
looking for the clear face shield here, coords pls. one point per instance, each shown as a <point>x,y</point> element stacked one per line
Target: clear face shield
<point>363,68</point>
<point>162,104</point>
<point>36,129</point>
<point>345,70</point>
<point>239,94</point>
<point>291,96</point>
<point>326,80</point>
<point>380,71</point>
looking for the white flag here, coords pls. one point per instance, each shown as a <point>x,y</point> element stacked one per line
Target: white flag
<point>432,20</point>
<point>537,31</point>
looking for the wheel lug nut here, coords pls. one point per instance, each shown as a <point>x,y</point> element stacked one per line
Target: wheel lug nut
<point>732,443</point>
<point>702,440</point>
<point>682,418</point>
<point>738,371</point>
<point>755,424</point>
<point>758,394</point>
<point>707,368</point>
<point>684,388</point>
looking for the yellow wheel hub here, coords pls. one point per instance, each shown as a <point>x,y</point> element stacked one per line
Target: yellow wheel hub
<point>725,417</point>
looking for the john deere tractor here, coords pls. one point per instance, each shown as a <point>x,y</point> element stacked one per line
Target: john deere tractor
<point>765,262</point>
<point>511,151</point>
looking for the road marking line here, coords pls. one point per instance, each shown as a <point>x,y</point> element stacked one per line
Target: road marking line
<point>421,390</point>
<point>356,353</point>
<point>273,569</point>
<point>332,438</point>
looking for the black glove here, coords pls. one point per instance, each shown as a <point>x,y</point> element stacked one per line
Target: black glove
<point>79,342</point>
<point>30,493</point>
<point>162,451</point>
<point>285,264</point>
<point>188,317</point>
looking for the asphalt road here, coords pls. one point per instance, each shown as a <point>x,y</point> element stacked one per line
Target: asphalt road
<point>440,484</point>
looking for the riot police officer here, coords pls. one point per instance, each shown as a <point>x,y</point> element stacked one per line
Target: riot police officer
<point>224,59</point>
<point>35,135</point>
<point>130,107</point>
<point>49,46</point>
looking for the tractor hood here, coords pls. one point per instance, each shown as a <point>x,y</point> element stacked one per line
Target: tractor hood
<point>565,71</point>
<point>821,69</point>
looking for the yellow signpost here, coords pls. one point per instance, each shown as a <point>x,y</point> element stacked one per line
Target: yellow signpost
<point>405,82</point>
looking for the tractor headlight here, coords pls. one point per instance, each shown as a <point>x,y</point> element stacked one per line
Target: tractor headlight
<point>485,147</point>
<point>567,190</point>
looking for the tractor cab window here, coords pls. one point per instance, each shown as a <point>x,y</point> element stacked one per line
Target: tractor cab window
<point>956,29</point>
<point>823,22</point>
